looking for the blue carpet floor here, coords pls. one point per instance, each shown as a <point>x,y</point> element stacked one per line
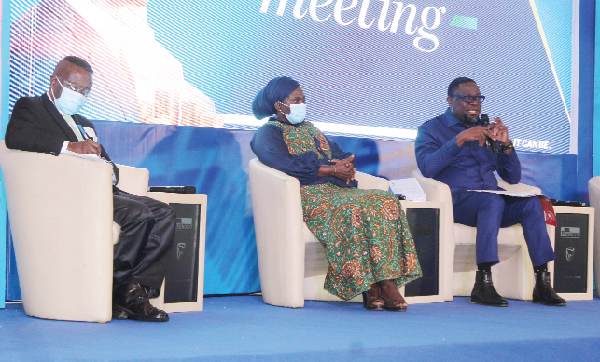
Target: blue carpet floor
<point>246,329</point>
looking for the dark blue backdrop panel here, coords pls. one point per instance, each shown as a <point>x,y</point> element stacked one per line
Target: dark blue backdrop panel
<point>212,160</point>
<point>555,175</point>
<point>13,290</point>
<point>585,133</point>
<point>216,162</point>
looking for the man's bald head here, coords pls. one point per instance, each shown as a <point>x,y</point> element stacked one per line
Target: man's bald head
<point>66,62</point>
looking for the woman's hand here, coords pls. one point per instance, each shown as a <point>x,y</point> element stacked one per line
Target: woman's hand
<point>344,169</point>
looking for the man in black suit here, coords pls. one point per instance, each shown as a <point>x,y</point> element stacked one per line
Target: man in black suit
<point>50,124</point>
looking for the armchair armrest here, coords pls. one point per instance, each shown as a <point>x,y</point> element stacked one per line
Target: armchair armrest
<point>369,182</point>
<point>278,223</point>
<point>434,190</point>
<point>133,180</point>
<point>594,190</point>
<point>60,209</point>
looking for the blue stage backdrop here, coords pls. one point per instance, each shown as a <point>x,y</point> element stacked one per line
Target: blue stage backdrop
<point>372,70</point>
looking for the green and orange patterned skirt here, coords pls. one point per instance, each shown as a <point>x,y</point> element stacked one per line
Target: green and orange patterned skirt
<point>366,236</point>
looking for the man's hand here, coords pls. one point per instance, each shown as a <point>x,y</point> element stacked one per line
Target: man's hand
<point>475,134</point>
<point>499,131</point>
<point>344,169</point>
<point>85,147</point>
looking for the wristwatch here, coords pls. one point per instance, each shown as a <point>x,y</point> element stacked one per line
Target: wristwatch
<point>506,148</point>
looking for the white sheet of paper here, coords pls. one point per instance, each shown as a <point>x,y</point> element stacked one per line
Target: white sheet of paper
<point>408,187</point>
<point>509,193</point>
<point>90,156</point>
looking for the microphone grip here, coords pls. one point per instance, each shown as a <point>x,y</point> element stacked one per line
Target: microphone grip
<point>485,121</point>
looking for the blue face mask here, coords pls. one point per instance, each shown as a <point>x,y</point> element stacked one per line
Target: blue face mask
<point>297,113</point>
<point>70,102</point>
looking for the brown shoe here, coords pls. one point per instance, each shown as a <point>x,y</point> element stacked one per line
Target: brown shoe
<point>130,301</point>
<point>393,301</point>
<point>371,299</point>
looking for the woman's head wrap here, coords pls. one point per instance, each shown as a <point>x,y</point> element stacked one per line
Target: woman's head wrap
<point>276,90</point>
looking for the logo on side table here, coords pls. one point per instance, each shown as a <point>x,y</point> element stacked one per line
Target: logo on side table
<point>180,250</point>
<point>183,223</point>
<point>569,253</point>
<point>570,232</point>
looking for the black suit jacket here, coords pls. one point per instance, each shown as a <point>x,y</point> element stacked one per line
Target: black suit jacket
<point>37,126</point>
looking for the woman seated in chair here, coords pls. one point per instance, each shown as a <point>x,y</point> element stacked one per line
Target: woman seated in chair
<point>369,245</point>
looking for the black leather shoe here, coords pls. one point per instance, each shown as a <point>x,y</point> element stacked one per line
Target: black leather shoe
<point>484,292</point>
<point>118,313</point>
<point>130,301</point>
<point>544,293</point>
<point>152,292</point>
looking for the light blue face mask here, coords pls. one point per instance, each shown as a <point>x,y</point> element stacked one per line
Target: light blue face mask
<point>297,113</point>
<point>70,102</point>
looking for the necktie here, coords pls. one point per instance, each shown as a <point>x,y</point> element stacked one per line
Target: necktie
<point>71,122</point>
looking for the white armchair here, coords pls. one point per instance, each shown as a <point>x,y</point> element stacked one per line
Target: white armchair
<point>61,215</point>
<point>594,190</point>
<point>513,276</point>
<point>292,263</point>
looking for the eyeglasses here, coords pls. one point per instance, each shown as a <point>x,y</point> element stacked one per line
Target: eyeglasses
<point>470,99</point>
<point>83,91</point>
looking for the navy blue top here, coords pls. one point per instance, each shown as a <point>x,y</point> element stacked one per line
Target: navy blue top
<point>270,147</point>
<point>470,167</point>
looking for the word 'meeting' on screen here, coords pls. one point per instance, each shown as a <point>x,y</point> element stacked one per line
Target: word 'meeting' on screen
<point>344,16</point>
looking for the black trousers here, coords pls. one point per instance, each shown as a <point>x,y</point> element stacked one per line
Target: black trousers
<point>147,236</point>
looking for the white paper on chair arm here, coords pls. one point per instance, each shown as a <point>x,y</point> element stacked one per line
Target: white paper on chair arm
<point>87,156</point>
<point>408,187</point>
<point>509,193</point>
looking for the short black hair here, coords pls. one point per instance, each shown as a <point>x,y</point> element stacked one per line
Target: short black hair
<point>456,82</point>
<point>81,63</point>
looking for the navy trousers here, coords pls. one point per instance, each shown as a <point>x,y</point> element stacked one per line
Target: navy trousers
<point>489,212</point>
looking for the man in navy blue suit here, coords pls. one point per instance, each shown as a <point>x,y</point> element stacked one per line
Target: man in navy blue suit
<point>457,149</point>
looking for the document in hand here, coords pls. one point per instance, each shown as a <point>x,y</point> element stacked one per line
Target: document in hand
<point>91,156</point>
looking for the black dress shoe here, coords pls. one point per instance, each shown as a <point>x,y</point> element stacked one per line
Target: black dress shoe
<point>484,292</point>
<point>130,301</point>
<point>543,292</point>
<point>152,292</point>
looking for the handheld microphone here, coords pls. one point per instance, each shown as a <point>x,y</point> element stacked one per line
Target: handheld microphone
<point>485,121</point>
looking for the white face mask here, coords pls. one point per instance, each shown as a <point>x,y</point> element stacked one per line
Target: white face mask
<point>297,113</point>
<point>70,102</point>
